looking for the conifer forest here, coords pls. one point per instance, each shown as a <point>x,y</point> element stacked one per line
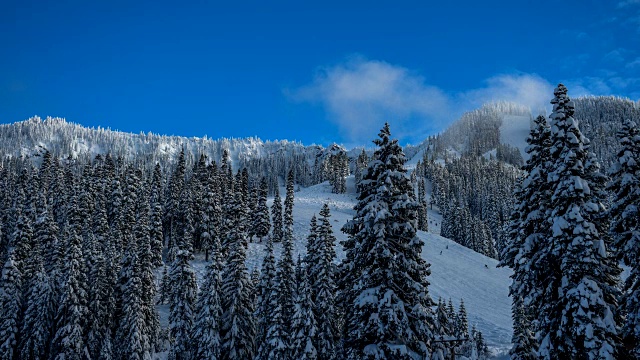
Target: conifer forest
<point>473,244</point>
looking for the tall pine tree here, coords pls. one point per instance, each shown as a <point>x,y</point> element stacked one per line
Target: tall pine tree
<point>625,227</point>
<point>575,318</point>
<point>383,276</point>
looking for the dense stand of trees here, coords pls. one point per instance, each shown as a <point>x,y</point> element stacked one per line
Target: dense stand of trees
<point>84,243</point>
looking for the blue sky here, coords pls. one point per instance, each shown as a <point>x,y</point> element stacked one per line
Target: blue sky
<point>315,72</point>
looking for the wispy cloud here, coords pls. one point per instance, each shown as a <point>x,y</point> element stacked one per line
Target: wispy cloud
<point>633,64</point>
<point>359,95</point>
<point>526,89</point>
<point>616,55</point>
<point>626,3</point>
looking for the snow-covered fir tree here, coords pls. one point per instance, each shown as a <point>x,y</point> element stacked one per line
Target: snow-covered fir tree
<point>206,330</point>
<point>238,321</point>
<point>10,308</point>
<point>287,216</point>
<point>361,164</point>
<point>323,287</point>
<point>155,221</point>
<point>383,277</point>
<point>303,326</point>
<point>182,299</point>
<point>276,217</point>
<point>625,227</point>
<point>68,342</point>
<point>523,340</point>
<point>38,318</point>
<point>267,304</point>
<point>261,222</point>
<point>528,231</point>
<point>576,320</point>
<point>286,280</point>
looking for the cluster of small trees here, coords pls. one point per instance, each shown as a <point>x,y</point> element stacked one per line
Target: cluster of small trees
<point>455,335</point>
<point>566,245</point>
<point>474,197</point>
<point>333,164</point>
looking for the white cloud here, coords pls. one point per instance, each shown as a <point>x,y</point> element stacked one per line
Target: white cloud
<point>526,89</point>
<point>360,95</point>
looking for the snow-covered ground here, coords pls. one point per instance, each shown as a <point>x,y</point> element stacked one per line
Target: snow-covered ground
<point>456,272</point>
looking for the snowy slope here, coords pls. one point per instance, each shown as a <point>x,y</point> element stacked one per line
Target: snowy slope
<point>456,272</point>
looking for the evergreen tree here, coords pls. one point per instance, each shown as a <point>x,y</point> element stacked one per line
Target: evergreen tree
<point>261,222</point>
<point>303,327</point>
<point>10,308</point>
<point>238,323</point>
<point>132,338</point>
<point>206,330</point>
<point>462,323</point>
<point>155,228</point>
<point>276,217</point>
<point>423,222</point>
<point>267,302</point>
<point>145,268</point>
<point>361,164</point>
<point>444,327</point>
<point>312,255</point>
<point>625,226</point>
<point>324,287</point>
<point>38,318</point>
<point>39,308</point>
<point>173,201</point>
<point>576,321</point>
<point>165,286</point>
<point>528,231</point>
<point>276,345</point>
<point>287,217</point>
<point>481,346</point>
<point>68,342</point>
<point>383,277</point>
<point>286,296</point>
<point>523,339</point>
<point>183,291</point>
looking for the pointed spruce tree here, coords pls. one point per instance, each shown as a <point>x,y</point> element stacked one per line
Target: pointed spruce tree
<point>383,278</point>
<point>625,227</point>
<point>303,327</point>
<point>276,217</point>
<point>10,308</point>
<point>528,231</point>
<point>261,222</point>
<point>287,217</point>
<point>182,298</point>
<point>267,301</point>
<point>69,341</point>
<point>206,329</point>
<point>238,322</point>
<point>575,319</point>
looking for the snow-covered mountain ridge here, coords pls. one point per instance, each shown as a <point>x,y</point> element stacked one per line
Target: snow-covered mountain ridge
<point>33,136</point>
